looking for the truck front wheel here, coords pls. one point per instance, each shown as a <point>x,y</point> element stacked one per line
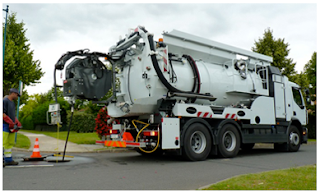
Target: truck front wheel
<point>294,139</point>
<point>197,142</point>
<point>229,141</point>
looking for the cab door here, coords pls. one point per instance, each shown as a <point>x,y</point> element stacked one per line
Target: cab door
<point>279,100</point>
<point>298,106</point>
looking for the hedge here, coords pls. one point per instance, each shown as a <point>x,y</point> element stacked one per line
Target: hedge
<point>312,126</point>
<point>27,123</point>
<point>39,116</point>
<point>82,122</point>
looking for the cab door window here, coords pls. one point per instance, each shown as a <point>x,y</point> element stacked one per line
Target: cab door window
<point>297,97</point>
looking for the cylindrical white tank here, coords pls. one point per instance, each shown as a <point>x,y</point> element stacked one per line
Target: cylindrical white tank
<point>149,72</point>
<point>140,87</point>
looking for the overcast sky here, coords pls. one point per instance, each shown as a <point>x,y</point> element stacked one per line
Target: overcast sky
<point>53,29</point>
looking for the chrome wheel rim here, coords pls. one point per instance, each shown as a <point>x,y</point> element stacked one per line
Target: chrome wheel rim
<point>198,142</point>
<point>229,141</point>
<point>294,138</point>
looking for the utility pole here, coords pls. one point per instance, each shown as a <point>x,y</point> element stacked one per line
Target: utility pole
<point>20,92</point>
<point>5,32</point>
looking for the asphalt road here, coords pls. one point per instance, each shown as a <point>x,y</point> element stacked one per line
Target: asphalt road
<point>131,171</point>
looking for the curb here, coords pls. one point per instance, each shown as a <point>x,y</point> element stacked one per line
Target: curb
<point>207,186</point>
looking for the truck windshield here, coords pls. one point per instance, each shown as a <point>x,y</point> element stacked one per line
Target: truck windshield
<point>297,96</point>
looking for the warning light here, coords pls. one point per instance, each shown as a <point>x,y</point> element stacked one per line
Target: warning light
<point>150,133</point>
<point>160,39</point>
<point>114,131</point>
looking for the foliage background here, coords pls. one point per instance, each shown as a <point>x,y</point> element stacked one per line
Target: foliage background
<point>19,63</point>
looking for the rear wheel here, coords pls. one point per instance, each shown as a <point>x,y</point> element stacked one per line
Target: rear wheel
<point>197,142</point>
<point>229,141</point>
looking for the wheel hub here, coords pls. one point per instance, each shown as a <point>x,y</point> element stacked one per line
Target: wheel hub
<point>229,140</point>
<point>294,138</point>
<point>198,142</point>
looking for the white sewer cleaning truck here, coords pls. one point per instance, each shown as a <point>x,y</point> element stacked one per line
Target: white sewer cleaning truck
<point>188,94</point>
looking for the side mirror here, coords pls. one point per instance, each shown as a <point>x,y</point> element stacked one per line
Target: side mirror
<point>307,91</point>
<point>308,100</point>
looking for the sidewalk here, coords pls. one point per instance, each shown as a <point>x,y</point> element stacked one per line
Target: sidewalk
<point>50,144</point>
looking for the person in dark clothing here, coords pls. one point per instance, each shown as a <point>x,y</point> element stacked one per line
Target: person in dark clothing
<point>10,125</point>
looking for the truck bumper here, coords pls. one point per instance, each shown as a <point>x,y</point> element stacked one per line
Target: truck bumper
<point>304,135</point>
<point>110,143</point>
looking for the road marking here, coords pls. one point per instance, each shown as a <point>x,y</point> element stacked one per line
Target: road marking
<point>28,166</point>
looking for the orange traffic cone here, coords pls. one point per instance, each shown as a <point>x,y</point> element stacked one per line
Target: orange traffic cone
<point>36,151</point>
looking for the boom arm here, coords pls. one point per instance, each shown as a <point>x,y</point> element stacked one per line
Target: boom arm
<point>85,52</point>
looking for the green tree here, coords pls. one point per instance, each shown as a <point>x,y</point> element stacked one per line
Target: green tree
<point>278,50</point>
<point>310,72</point>
<point>18,61</point>
<point>50,95</point>
<point>302,80</point>
<point>33,102</point>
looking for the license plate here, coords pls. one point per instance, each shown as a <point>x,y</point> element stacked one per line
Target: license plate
<point>113,136</point>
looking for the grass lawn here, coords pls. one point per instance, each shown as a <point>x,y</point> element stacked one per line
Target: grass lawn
<point>300,178</point>
<point>78,138</point>
<point>22,141</point>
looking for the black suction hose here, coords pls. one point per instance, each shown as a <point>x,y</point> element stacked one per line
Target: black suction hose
<point>55,85</point>
<point>72,107</point>
<point>196,83</point>
<point>164,80</point>
<point>65,146</point>
<point>157,68</point>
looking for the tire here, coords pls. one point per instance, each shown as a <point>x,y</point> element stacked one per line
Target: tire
<point>229,141</point>
<point>294,139</point>
<point>197,142</point>
<point>247,146</point>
